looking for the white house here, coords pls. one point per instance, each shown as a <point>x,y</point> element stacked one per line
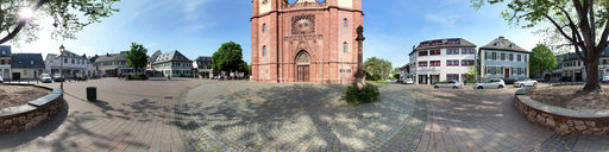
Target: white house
<point>503,59</point>
<point>441,60</point>
<point>173,64</point>
<point>73,64</point>
<point>203,65</point>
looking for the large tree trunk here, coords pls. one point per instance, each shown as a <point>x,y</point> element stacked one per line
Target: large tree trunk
<point>592,79</point>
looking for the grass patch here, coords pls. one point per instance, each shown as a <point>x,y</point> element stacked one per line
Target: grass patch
<point>380,82</point>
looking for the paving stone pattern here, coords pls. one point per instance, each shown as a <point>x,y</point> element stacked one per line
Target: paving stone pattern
<point>231,117</point>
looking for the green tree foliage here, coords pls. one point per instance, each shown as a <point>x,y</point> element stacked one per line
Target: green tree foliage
<point>377,68</point>
<point>542,60</point>
<point>583,23</point>
<point>69,16</point>
<point>228,58</point>
<point>136,56</point>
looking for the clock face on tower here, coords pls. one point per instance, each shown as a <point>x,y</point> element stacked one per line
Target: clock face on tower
<point>303,24</point>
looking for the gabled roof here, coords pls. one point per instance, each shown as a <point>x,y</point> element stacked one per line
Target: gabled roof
<point>203,59</point>
<point>5,51</point>
<point>502,43</point>
<point>27,61</point>
<point>154,56</point>
<point>112,57</point>
<point>173,56</point>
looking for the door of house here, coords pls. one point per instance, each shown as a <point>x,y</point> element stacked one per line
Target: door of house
<point>507,73</point>
<point>303,73</point>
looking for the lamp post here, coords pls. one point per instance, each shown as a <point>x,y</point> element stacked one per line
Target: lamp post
<point>61,49</point>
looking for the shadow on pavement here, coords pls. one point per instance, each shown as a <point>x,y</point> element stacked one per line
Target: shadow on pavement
<point>42,130</point>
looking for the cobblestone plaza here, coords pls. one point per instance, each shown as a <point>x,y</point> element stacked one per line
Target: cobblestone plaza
<point>201,115</point>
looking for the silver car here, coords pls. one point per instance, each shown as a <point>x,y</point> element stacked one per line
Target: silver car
<point>493,83</point>
<point>46,78</point>
<point>449,84</point>
<point>525,83</point>
<point>605,79</point>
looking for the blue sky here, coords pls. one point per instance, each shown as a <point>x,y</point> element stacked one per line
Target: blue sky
<point>199,27</point>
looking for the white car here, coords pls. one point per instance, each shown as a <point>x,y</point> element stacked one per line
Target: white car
<point>449,84</point>
<point>46,78</point>
<point>493,83</point>
<point>605,79</point>
<point>408,81</point>
<point>1,80</point>
<point>525,83</point>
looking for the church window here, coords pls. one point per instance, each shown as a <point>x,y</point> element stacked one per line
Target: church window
<point>263,50</point>
<point>345,22</point>
<point>345,47</point>
<point>263,27</point>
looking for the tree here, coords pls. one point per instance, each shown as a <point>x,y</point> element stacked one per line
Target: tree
<point>583,23</point>
<point>228,58</point>
<point>67,15</point>
<point>377,68</point>
<point>542,60</point>
<point>136,56</point>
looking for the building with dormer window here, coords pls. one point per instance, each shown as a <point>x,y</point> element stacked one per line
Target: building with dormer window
<point>27,66</point>
<point>502,59</point>
<point>442,60</point>
<point>73,64</point>
<point>173,64</point>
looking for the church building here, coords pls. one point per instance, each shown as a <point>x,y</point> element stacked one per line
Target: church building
<point>305,41</point>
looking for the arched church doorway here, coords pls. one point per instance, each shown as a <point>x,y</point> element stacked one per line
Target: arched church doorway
<point>302,66</point>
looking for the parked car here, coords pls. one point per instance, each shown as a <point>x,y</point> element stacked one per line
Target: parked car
<point>46,78</point>
<point>58,78</point>
<point>449,84</point>
<point>408,81</point>
<point>605,79</point>
<point>1,79</point>
<point>493,83</point>
<point>525,83</point>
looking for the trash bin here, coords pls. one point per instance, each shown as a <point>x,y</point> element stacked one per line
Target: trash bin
<point>92,93</point>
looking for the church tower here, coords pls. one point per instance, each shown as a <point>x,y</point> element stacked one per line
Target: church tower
<point>305,41</point>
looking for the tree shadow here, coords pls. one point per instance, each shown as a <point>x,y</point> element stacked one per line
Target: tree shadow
<point>298,117</point>
<point>42,130</point>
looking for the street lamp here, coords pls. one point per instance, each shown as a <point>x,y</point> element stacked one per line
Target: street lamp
<point>61,49</point>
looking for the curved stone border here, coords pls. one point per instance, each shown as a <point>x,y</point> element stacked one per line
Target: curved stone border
<point>27,116</point>
<point>562,120</point>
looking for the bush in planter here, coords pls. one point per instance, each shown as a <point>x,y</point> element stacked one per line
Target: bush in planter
<point>370,93</point>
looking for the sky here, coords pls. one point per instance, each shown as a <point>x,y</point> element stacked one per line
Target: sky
<point>199,27</point>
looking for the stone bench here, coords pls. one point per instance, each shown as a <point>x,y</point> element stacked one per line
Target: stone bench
<point>562,120</point>
<point>27,116</point>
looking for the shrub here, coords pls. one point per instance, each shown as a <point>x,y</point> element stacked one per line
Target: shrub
<point>370,93</point>
<point>138,76</point>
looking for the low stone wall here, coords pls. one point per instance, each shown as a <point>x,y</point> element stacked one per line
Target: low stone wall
<point>563,121</point>
<point>27,116</point>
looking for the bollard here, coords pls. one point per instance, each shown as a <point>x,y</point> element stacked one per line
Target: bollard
<point>91,93</point>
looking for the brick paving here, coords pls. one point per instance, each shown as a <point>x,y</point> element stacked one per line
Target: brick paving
<point>238,116</point>
<point>130,116</point>
<point>194,115</point>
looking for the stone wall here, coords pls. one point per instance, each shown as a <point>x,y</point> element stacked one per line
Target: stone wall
<point>563,121</point>
<point>27,116</point>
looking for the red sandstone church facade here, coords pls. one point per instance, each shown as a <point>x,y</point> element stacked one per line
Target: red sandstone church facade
<point>306,41</point>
